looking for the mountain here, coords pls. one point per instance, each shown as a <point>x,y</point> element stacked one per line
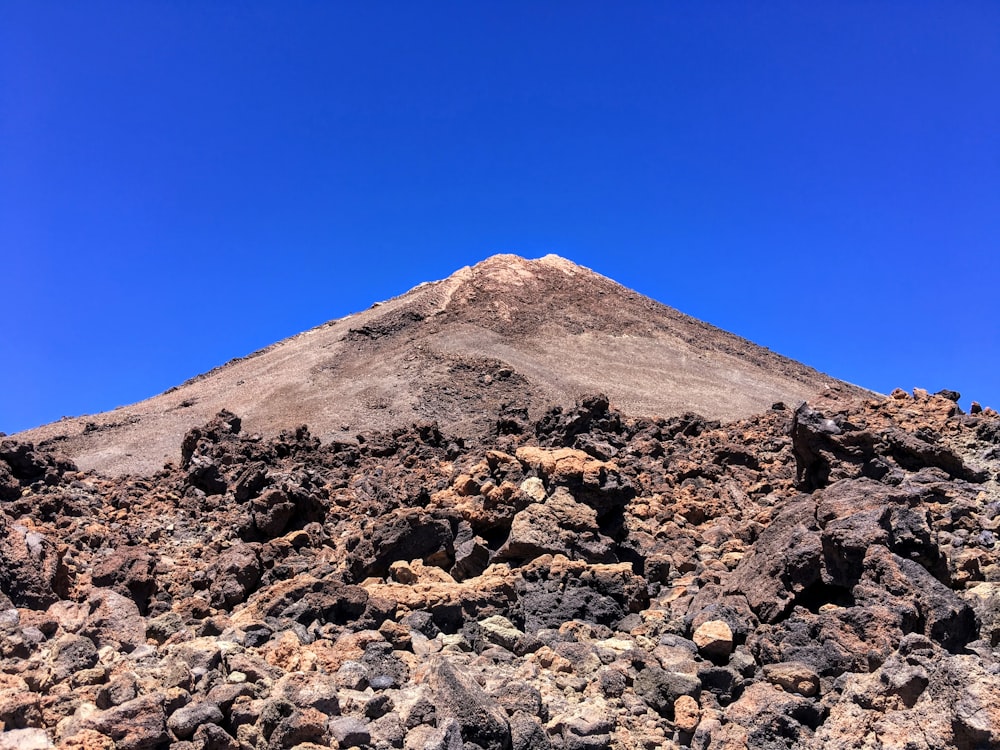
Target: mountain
<point>458,563</point>
<point>507,330</point>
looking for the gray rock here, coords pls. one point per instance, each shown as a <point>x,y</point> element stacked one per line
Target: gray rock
<point>527,734</point>
<point>184,721</point>
<point>114,620</point>
<point>458,696</point>
<point>352,675</point>
<point>448,736</point>
<point>385,669</point>
<point>70,654</point>
<point>350,731</point>
<point>660,688</point>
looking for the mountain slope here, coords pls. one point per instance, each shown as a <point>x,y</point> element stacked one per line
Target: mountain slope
<point>507,330</point>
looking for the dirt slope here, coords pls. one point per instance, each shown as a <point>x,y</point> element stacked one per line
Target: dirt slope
<point>507,330</point>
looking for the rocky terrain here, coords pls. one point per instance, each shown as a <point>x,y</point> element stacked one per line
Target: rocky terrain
<point>507,330</point>
<point>823,575</point>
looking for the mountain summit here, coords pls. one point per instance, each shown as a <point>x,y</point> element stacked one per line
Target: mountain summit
<point>506,330</point>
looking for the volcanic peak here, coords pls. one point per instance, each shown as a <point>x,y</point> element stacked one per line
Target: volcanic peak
<point>504,331</point>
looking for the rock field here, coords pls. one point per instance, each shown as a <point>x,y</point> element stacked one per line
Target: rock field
<point>826,576</point>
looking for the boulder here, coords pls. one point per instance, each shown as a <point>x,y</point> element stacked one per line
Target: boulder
<point>185,721</point>
<point>458,696</point>
<point>113,620</point>
<point>32,572</point>
<point>559,526</point>
<point>714,639</point>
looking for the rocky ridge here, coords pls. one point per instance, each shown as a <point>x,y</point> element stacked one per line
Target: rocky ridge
<point>825,575</point>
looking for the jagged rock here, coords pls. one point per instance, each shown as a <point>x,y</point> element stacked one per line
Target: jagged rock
<point>113,620</point>
<point>867,600</point>
<point>555,590</point>
<point>783,564</point>
<point>71,654</point>
<point>235,575</point>
<point>139,724</point>
<point>310,725</point>
<point>773,718</point>
<point>385,668</point>
<point>660,689</point>
<point>526,733</point>
<point>406,535</point>
<point>32,572</point>
<point>129,571</point>
<point>559,526</point>
<point>457,696</point>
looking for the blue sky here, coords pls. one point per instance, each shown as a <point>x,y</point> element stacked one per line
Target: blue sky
<point>183,183</point>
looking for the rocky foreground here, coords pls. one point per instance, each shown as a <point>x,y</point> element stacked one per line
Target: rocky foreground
<point>826,576</point>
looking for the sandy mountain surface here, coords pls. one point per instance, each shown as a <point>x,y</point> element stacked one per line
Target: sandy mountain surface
<point>505,331</point>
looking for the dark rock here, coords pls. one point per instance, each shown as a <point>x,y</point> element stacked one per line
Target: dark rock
<point>214,737</point>
<point>184,721</point>
<point>472,557</point>
<point>517,696</point>
<point>234,576</point>
<point>350,732</point>
<point>271,512</point>
<point>10,488</point>
<point>774,719</point>
<point>913,452</point>
<point>612,683</point>
<point>206,475</point>
<point>944,617</point>
<point>250,481</point>
<point>198,440</point>
<point>404,535</point>
<point>305,725</point>
<point>811,442</point>
<point>70,654</point>
<point>129,571</point>
<point>456,695</point>
<point>385,669</point>
<point>660,688</point>
<point>378,706</point>
<point>28,464</point>
<point>785,562</point>
<point>305,599</point>
<point>527,734</point>
<point>32,572</point>
<point>724,682</point>
<point>139,724</point>
<point>548,596</point>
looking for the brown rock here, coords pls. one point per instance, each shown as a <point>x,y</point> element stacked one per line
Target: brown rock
<point>687,714</point>
<point>714,639</point>
<point>31,570</point>
<point>139,724</point>
<point>793,677</point>
<point>114,620</point>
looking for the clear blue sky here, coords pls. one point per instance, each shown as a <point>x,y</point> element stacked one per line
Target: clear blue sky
<point>182,183</point>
